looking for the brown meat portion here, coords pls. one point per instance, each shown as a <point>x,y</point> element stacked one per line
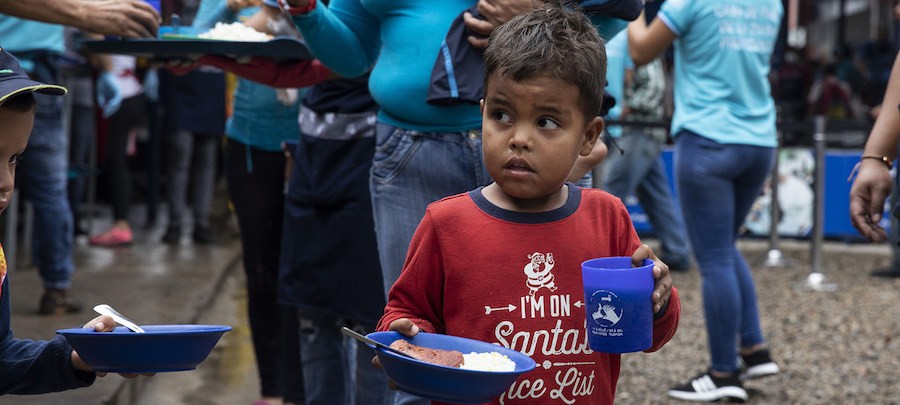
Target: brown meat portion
<point>449,358</point>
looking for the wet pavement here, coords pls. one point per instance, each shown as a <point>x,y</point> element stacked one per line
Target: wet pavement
<point>151,283</point>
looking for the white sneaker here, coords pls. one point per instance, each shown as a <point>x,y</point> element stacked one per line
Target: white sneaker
<point>707,388</point>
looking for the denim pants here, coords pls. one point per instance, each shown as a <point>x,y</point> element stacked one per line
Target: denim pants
<point>42,177</point>
<point>191,166</point>
<point>717,185</point>
<point>337,371</point>
<point>640,170</point>
<point>411,170</point>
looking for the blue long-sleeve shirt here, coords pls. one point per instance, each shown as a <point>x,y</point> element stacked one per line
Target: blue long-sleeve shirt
<point>399,41</point>
<point>347,36</point>
<point>34,366</point>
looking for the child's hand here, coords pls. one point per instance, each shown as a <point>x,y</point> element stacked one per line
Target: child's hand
<point>406,328</point>
<point>102,323</point>
<point>662,286</point>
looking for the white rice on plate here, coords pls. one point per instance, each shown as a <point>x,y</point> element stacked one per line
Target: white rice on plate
<point>490,361</point>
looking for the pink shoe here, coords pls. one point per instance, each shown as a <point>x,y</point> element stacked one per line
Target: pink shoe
<point>113,237</point>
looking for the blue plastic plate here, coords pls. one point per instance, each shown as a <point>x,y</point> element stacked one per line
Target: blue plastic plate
<point>448,384</point>
<point>162,348</point>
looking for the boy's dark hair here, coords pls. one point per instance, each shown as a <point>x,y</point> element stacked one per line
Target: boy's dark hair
<point>22,102</point>
<point>556,39</point>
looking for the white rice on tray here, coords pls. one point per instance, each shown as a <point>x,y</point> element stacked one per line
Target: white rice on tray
<point>490,361</point>
<point>235,31</point>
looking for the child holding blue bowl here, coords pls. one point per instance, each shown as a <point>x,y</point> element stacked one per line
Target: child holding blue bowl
<point>29,366</point>
<point>502,263</point>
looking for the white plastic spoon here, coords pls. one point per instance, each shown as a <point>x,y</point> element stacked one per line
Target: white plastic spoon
<point>104,309</point>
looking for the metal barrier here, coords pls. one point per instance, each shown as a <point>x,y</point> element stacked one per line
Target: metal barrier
<point>816,279</point>
<point>774,257</point>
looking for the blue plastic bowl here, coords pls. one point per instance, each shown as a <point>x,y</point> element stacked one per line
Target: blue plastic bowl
<point>161,348</point>
<point>448,384</point>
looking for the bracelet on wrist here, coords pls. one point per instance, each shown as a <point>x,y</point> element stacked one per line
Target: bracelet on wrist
<point>883,159</point>
<point>888,163</point>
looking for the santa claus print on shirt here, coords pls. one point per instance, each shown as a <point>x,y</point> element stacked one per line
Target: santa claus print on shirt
<point>539,272</point>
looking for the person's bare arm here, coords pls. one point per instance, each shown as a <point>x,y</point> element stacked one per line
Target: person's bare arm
<point>873,180</point>
<point>645,42</point>
<point>587,163</point>
<point>126,18</point>
<point>259,21</point>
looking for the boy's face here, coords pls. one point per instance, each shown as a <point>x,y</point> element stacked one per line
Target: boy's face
<point>13,138</point>
<point>533,131</point>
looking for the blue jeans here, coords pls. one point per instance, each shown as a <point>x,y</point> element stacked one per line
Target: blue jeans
<point>411,170</point>
<point>640,170</point>
<point>191,169</point>
<point>717,185</point>
<point>42,177</point>
<point>337,371</point>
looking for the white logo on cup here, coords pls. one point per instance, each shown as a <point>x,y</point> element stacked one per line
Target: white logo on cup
<point>605,308</point>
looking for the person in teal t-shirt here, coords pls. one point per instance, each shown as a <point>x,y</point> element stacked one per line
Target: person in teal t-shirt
<point>639,168</point>
<point>724,129</point>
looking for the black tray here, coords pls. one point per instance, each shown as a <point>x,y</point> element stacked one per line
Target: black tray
<point>279,48</point>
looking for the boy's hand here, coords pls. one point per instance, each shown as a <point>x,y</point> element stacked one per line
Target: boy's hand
<point>406,328</point>
<point>102,323</point>
<point>662,286</point>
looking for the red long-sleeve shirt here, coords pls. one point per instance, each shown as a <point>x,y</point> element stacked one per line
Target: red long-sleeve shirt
<point>514,279</point>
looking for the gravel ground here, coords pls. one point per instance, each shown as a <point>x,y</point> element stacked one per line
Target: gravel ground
<point>833,347</point>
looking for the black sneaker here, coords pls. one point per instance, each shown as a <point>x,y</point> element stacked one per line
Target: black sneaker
<point>892,271</point>
<point>757,365</point>
<point>708,388</point>
<point>204,236</point>
<point>172,235</point>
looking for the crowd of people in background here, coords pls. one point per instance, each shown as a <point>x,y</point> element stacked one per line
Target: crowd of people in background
<point>330,166</point>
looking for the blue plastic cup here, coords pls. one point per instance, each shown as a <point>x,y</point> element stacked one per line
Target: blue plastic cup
<point>156,5</point>
<point>618,304</point>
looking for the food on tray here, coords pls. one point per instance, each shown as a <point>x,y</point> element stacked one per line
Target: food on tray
<point>489,361</point>
<point>449,358</point>
<point>234,32</point>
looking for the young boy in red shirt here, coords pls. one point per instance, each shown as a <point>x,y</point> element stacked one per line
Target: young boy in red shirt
<point>502,263</point>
